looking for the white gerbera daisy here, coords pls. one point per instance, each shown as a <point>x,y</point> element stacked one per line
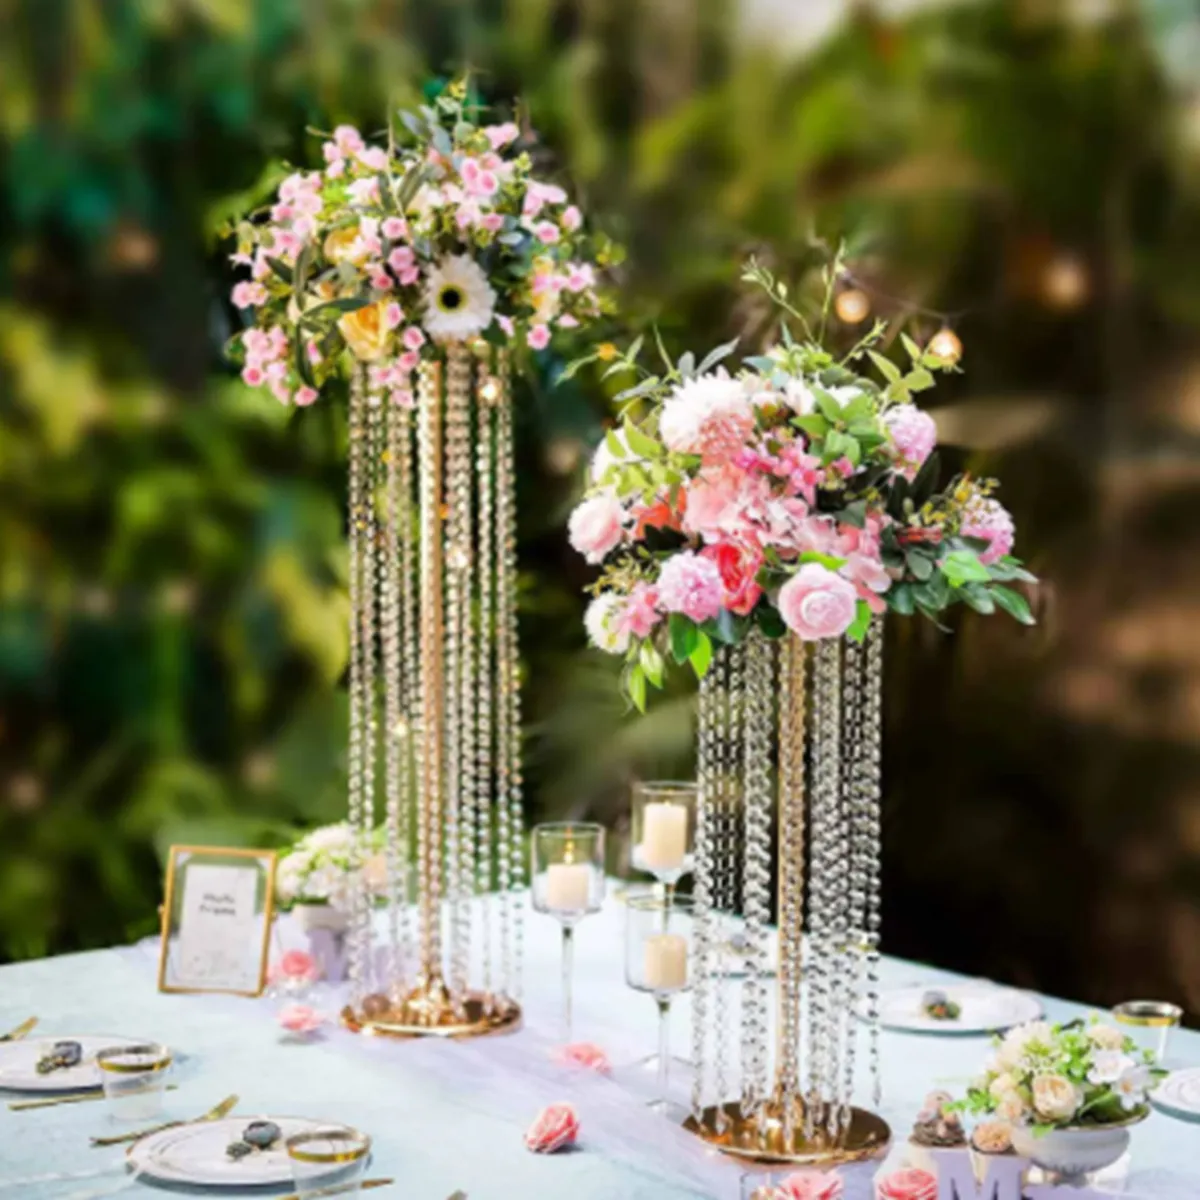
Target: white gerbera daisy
<point>458,299</point>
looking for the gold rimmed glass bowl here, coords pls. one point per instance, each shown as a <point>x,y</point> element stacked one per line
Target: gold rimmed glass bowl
<point>322,1158</point>
<point>134,1078</point>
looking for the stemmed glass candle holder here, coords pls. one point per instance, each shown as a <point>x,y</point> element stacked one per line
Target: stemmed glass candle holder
<point>658,954</point>
<point>325,1161</point>
<point>568,884</point>
<point>664,823</point>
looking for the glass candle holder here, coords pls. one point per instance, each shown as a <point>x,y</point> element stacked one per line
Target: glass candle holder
<point>323,1160</point>
<point>663,829</point>
<point>567,873</point>
<point>134,1078</point>
<point>1149,1023</point>
<point>658,960</point>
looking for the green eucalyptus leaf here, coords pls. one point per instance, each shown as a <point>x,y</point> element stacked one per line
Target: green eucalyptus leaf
<point>900,599</point>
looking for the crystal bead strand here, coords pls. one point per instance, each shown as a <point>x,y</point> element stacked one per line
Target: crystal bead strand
<point>702,935</point>
<point>726,864</point>
<point>872,746</point>
<point>485,739</point>
<point>506,589</point>
<point>855,881</point>
<point>826,785</point>
<point>357,951</point>
<point>410,766</point>
<point>396,733</point>
<point>791,878</point>
<point>757,705</point>
<point>370,598</point>
<point>429,803</point>
<point>458,475</point>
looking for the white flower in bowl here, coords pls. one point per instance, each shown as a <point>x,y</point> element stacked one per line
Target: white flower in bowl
<point>1108,1066</point>
<point>1107,1037</point>
<point>1055,1097</point>
<point>1132,1086</point>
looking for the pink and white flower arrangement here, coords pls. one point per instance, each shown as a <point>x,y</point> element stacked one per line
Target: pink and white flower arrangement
<point>799,493</point>
<point>1053,1076</point>
<point>386,254</point>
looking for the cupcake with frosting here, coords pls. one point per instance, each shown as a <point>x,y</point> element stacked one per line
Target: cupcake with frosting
<point>937,1127</point>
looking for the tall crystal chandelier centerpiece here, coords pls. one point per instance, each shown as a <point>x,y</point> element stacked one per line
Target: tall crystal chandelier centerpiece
<point>417,272</point>
<point>758,525</point>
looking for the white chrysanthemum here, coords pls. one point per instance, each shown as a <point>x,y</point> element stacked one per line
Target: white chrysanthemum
<point>458,299</point>
<point>597,620</point>
<point>708,415</point>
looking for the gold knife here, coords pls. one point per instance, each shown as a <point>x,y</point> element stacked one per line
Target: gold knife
<point>67,1098</point>
<point>338,1189</point>
<point>15,1035</point>
<point>214,1114</point>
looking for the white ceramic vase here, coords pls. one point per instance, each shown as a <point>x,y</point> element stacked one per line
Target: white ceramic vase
<point>321,916</point>
<point>1077,1150</point>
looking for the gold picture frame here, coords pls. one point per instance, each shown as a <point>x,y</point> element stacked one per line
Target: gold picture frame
<point>237,889</point>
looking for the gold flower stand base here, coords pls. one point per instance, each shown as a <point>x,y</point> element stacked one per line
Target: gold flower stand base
<point>763,1138</point>
<point>429,1012</point>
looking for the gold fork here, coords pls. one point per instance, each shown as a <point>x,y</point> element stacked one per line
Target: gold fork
<point>214,1114</point>
<point>68,1098</point>
<point>337,1189</point>
<point>15,1035</point>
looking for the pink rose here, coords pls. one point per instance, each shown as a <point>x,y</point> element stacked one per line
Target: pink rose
<point>639,614</point>
<point>809,1185</point>
<point>690,585</point>
<point>300,1018</point>
<point>394,228</point>
<point>572,218</point>
<point>546,232</point>
<point>501,135</point>
<point>554,1127</point>
<point>539,337</point>
<point>990,520</point>
<point>253,375</point>
<point>597,526</point>
<point>305,396</point>
<point>393,315</point>
<point>817,603</point>
<point>739,565</point>
<point>298,964</point>
<point>908,1183</point>
<point>587,1055</point>
<point>914,435</point>
<point>413,338</point>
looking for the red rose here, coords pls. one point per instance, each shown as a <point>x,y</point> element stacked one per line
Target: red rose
<point>738,565</point>
<point>554,1127</point>
<point>909,1183</point>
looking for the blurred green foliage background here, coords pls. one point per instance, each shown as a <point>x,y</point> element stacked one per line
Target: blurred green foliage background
<point>172,609</point>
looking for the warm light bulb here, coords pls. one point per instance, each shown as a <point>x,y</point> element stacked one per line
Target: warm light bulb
<point>1065,284</point>
<point>946,345</point>
<point>490,391</point>
<point>852,306</point>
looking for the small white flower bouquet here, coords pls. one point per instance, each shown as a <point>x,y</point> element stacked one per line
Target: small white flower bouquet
<point>320,868</point>
<point>1076,1075</point>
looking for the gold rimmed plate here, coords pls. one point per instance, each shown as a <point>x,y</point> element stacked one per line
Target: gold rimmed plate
<point>19,1060</point>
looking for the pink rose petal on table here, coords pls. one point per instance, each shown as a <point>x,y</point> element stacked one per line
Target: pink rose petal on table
<point>300,1018</point>
<point>908,1183</point>
<point>585,1054</point>
<point>554,1127</point>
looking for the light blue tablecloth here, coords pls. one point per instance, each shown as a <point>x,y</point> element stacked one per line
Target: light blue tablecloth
<point>449,1117</point>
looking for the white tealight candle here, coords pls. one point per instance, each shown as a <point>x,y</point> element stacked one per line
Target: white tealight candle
<point>568,887</point>
<point>664,836</point>
<point>666,962</point>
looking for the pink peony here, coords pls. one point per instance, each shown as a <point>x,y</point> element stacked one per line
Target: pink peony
<point>553,1128</point>
<point>914,435</point>
<point>639,614</point>
<point>300,1019</point>
<point>908,1183</point>
<point>988,519</point>
<point>690,585</point>
<point>809,1184</point>
<point>597,526</point>
<point>587,1055</point>
<point>816,603</point>
<point>738,564</point>
<point>709,416</point>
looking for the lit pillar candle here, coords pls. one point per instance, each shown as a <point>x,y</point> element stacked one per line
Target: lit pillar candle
<point>664,836</point>
<point>666,962</point>
<point>568,886</point>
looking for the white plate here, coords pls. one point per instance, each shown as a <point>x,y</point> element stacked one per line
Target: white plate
<point>19,1060</point>
<point>985,1009</point>
<point>195,1153</point>
<point>1179,1094</point>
